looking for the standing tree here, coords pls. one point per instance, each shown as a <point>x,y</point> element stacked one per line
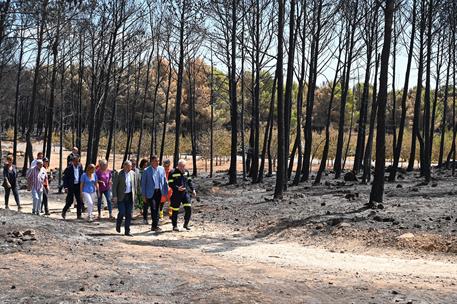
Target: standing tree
<point>32,111</point>
<point>352,20</point>
<point>377,189</point>
<point>281,169</point>
<point>312,80</point>
<point>369,37</point>
<point>404,96</point>
<point>417,103</point>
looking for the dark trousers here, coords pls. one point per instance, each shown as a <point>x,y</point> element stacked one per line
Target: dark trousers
<point>145,210</point>
<point>154,204</point>
<point>15,194</point>
<point>74,192</point>
<point>176,203</point>
<point>125,211</point>
<point>44,202</point>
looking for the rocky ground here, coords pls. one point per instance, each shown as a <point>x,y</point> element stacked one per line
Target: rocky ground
<point>320,244</point>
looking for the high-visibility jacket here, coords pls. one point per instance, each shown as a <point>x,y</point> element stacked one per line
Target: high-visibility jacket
<point>178,179</point>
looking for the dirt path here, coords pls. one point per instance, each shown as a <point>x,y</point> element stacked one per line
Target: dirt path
<point>77,261</point>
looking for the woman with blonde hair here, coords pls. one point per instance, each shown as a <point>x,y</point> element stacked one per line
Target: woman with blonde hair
<point>105,181</point>
<point>89,189</point>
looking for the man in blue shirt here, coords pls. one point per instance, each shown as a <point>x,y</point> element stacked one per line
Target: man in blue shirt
<point>153,186</point>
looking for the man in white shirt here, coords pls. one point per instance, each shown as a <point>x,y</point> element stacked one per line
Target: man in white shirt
<point>124,193</point>
<point>71,183</point>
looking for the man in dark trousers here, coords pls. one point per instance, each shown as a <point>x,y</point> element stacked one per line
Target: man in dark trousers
<point>153,186</point>
<point>180,182</point>
<point>71,179</point>
<point>124,193</point>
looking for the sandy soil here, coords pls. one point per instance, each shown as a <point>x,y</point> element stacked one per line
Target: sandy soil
<point>320,244</point>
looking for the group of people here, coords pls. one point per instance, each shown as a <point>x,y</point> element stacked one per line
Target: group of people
<point>37,183</point>
<point>150,186</point>
<point>154,185</point>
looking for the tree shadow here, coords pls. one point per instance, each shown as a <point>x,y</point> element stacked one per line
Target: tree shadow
<point>102,234</point>
<point>206,244</point>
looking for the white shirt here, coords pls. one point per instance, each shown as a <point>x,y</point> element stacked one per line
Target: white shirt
<point>76,172</point>
<point>128,183</point>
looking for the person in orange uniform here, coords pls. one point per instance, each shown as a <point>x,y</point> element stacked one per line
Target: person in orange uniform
<point>166,198</point>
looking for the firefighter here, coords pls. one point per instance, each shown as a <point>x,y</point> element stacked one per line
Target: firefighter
<point>180,182</point>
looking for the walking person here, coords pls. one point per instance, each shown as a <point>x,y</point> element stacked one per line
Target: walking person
<point>105,182</point>
<point>166,198</point>
<point>153,186</point>
<point>10,182</point>
<point>89,189</point>
<point>71,184</point>
<point>139,201</point>
<point>73,154</point>
<point>180,182</point>
<point>39,156</point>
<point>124,193</point>
<point>36,179</point>
<point>44,203</point>
<point>134,166</point>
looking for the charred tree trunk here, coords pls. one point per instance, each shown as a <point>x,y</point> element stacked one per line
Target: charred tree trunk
<point>377,190</point>
<point>417,105</point>
<point>112,126</point>
<point>211,143</point>
<point>179,85</point>
<point>289,85</point>
<point>256,147</point>
<point>351,126</point>
<point>80,92</point>
<point>165,114</point>
<point>301,92</point>
<point>317,27</point>
<point>325,151</point>
<point>445,107</point>
<point>16,98</point>
<point>369,146</point>
<point>233,99</point>
<point>159,79</point>
<point>439,58</point>
<point>426,165</point>
<point>31,118</point>
<point>404,98</point>
<point>143,107</point>
<point>50,111</point>
<point>268,131</point>
<point>281,168</point>
<point>350,48</point>
<point>361,133</point>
